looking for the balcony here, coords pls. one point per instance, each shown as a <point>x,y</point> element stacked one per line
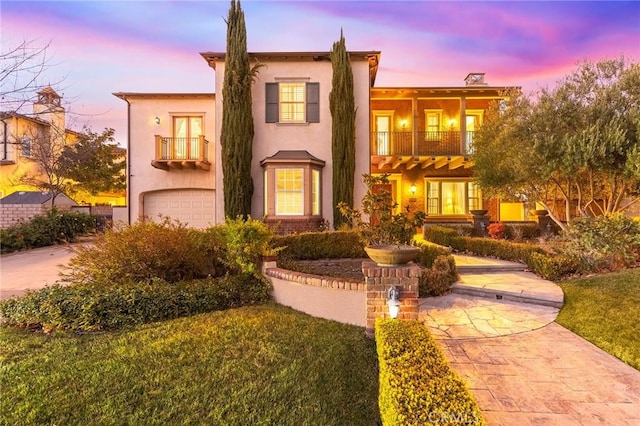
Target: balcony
<point>423,148</point>
<point>181,153</point>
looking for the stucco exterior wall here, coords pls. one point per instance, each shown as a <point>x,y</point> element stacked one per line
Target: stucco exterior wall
<point>143,177</point>
<point>313,137</point>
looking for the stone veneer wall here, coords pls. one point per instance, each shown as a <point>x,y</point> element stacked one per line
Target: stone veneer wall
<point>347,302</point>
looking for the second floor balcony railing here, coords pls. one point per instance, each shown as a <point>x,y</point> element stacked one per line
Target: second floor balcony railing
<point>180,152</point>
<point>194,149</point>
<point>422,143</point>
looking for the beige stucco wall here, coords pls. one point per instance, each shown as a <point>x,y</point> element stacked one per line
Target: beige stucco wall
<point>322,297</point>
<point>313,137</point>
<point>143,177</point>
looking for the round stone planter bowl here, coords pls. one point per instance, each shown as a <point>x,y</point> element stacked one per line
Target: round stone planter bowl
<point>539,212</point>
<point>478,212</point>
<point>392,254</point>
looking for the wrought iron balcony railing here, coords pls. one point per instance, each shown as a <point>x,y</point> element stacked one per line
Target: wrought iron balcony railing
<point>181,153</point>
<point>434,143</point>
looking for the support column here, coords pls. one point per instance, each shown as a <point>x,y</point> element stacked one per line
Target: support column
<point>378,280</point>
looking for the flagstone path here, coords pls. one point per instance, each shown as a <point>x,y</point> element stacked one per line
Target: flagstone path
<point>498,332</point>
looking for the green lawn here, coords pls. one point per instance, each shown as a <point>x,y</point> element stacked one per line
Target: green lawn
<point>605,310</point>
<point>261,365</point>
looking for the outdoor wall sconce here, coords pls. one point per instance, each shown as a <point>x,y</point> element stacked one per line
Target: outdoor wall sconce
<point>452,123</point>
<point>413,189</point>
<point>403,123</point>
<point>157,120</point>
<point>393,301</point>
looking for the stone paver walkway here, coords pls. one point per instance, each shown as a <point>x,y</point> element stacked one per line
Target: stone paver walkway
<point>498,332</point>
<point>549,376</point>
<point>457,316</point>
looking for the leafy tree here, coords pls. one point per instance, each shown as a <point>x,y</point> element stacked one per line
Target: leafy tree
<point>577,143</point>
<point>343,130</point>
<point>91,163</point>
<point>236,136</point>
<point>94,163</point>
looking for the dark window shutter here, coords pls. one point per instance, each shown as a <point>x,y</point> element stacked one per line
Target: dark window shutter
<point>313,102</point>
<point>272,104</point>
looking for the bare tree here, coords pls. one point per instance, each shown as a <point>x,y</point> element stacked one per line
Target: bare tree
<point>22,68</point>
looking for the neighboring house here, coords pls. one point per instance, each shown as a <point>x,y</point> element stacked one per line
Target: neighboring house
<point>37,198</point>
<point>19,143</point>
<point>24,205</point>
<point>420,136</point>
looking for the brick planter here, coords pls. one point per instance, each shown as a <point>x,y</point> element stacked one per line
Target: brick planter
<point>378,280</point>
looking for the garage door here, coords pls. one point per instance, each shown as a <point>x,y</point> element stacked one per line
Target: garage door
<point>193,207</point>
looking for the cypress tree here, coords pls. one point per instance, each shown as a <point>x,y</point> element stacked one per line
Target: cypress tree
<point>236,136</point>
<point>343,129</point>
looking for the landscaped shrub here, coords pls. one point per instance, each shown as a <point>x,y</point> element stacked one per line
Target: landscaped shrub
<point>417,386</point>
<point>497,231</point>
<point>94,307</point>
<point>319,245</point>
<point>243,244</point>
<point>50,228</point>
<point>441,235</point>
<point>552,267</point>
<point>429,252</point>
<point>522,231</point>
<point>147,250</point>
<point>437,280</point>
<point>602,243</point>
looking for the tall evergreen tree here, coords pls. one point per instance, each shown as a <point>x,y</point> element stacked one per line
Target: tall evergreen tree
<point>236,136</point>
<point>343,129</point>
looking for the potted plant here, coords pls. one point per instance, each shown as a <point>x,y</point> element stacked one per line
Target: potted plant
<point>386,235</point>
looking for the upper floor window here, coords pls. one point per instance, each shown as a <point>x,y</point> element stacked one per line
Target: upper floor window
<point>432,121</point>
<point>26,145</point>
<point>186,137</point>
<point>292,102</point>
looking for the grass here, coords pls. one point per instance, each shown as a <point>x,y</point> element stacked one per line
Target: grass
<point>605,309</point>
<point>258,365</point>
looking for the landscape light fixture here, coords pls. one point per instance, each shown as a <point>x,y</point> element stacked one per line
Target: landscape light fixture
<point>393,301</point>
<point>157,120</point>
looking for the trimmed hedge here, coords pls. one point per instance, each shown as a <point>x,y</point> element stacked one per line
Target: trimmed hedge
<point>319,245</point>
<point>53,227</point>
<point>417,386</point>
<point>548,266</point>
<point>430,252</point>
<point>96,307</point>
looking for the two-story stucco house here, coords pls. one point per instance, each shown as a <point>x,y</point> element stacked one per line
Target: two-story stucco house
<point>175,154</point>
<point>421,136</point>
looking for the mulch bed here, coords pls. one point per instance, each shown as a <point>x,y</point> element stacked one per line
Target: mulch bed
<point>349,269</point>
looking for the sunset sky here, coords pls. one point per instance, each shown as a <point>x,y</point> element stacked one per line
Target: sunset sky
<point>101,47</point>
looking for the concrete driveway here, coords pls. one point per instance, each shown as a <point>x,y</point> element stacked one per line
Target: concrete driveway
<point>33,269</point>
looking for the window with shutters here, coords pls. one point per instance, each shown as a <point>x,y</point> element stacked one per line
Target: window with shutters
<point>292,102</point>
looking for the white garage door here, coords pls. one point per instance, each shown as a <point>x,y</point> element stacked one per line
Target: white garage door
<point>193,207</point>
